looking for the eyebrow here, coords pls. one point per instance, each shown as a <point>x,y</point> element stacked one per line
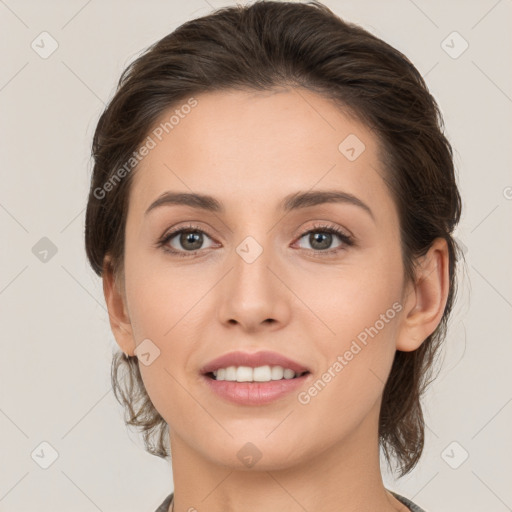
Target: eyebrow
<point>291,202</point>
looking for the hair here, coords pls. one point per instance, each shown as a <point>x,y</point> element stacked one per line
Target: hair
<point>261,47</point>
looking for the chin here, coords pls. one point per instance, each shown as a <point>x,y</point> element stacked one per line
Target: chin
<point>255,453</point>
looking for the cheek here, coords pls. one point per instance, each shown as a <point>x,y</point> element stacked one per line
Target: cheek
<point>358,313</point>
<point>357,363</point>
<point>158,295</point>
<point>159,303</point>
<point>166,303</point>
<point>340,302</point>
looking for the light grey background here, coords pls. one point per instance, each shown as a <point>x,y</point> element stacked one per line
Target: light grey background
<point>56,343</point>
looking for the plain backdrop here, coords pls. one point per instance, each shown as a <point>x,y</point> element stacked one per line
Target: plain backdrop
<point>56,343</point>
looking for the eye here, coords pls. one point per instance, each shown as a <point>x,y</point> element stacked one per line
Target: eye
<point>189,240</point>
<point>184,241</point>
<point>320,239</point>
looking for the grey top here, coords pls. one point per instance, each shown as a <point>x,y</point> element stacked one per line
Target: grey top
<point>408,503</point>
<point>164,507</point>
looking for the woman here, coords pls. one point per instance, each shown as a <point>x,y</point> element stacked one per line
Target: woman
<point>271,211</point>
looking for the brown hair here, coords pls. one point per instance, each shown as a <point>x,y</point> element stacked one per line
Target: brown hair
<point>281,44</point>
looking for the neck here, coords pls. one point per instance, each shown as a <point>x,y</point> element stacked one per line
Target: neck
<point>344,477</point>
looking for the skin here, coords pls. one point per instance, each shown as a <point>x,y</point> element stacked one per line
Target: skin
<point>249,150</point>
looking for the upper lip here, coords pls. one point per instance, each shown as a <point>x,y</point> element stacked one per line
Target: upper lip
<point>253,359</point>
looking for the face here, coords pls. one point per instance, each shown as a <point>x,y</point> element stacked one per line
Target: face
<point>319,282</point>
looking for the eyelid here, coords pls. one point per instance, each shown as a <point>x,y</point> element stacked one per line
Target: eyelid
<point>328,226</point>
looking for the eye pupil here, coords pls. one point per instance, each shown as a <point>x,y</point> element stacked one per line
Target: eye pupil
<point>194,237</point>
<point>325,240</point>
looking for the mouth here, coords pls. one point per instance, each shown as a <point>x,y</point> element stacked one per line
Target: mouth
<point>254,378</point>
<point>249,374</point>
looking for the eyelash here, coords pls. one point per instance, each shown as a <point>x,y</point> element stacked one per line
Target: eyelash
<point>322,228</point>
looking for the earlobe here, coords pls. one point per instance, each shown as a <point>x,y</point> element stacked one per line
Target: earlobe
<point>425,301</point>
<point>117,310</point>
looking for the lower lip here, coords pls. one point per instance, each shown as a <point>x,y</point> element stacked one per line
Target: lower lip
<point>255,393</point>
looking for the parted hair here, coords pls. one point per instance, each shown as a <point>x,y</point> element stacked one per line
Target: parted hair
<point>263,46</point>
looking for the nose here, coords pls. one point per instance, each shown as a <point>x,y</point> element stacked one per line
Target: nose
<point>253,295</point>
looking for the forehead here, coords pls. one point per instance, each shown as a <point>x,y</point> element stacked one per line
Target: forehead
<point>258,147</point>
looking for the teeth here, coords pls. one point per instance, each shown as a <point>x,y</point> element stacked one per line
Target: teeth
<point>258,374</point>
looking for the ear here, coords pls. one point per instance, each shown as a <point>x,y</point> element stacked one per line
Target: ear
<point>425,299</point>
<point>115,298</point>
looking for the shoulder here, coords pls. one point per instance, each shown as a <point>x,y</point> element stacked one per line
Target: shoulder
<point>408,503</point>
